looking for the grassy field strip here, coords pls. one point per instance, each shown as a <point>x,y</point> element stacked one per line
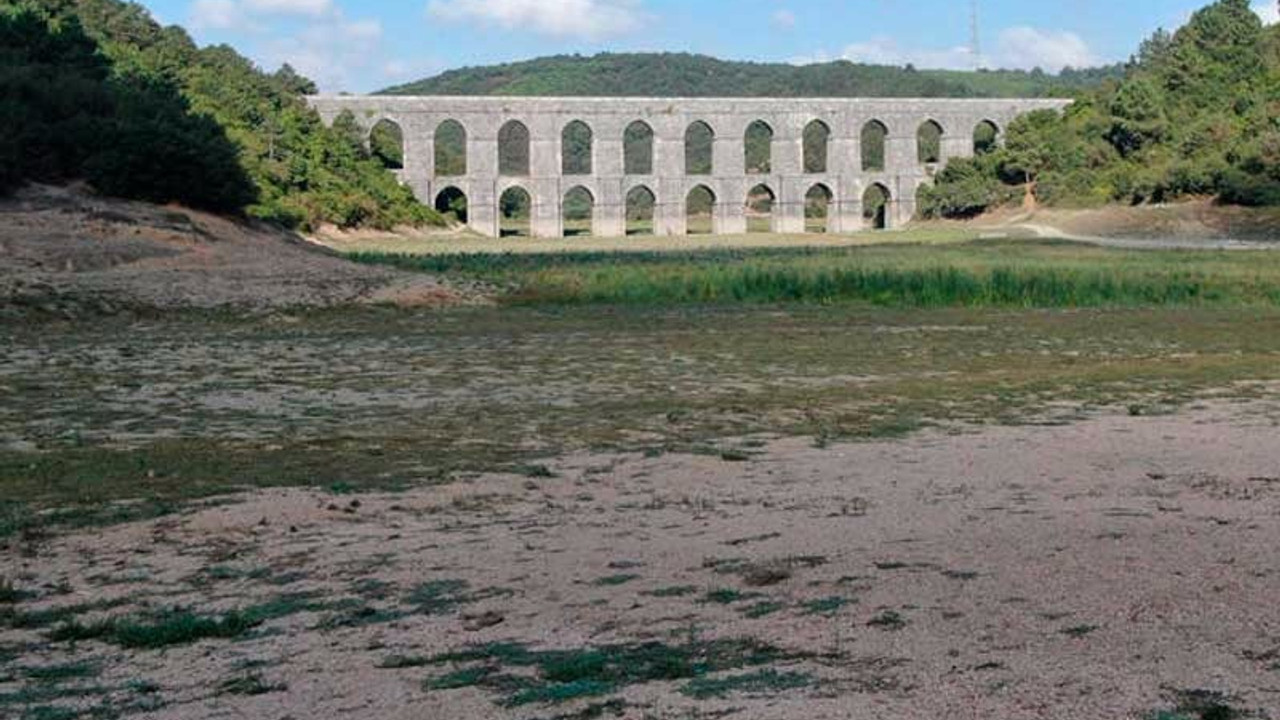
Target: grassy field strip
<point>450,244</point>
<point>982,273</point>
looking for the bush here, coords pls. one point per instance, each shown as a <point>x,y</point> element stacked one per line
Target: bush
<point>1241,188</point>
<point>965,188</point>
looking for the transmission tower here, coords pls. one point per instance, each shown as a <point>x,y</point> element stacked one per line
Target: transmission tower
<point>975,36</point>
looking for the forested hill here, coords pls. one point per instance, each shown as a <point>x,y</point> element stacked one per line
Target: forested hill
<point>1197,114</point>
<point>98,91</point>
<point>685,75</point>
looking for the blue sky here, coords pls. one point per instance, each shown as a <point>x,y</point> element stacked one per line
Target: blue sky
<point>363,45</point>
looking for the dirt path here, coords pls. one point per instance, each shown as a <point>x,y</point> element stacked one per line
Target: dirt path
<point>1089,571</point>
<point>1172,243</point>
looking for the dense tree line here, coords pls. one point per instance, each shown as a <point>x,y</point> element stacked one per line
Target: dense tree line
<point>685,75</point>
<point>1197,113</point>
<point>67,116</point>
<point>97,90</point>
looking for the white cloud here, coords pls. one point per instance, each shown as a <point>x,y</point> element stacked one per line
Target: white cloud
<point>329,51</point>
<point>328,47</point>
<point>588,19</point>
<point>313,8</point>
<point>216,15</point>
<point>1268,10</point>
<point>1027,47</point>
<point>886,51</point>
<point>1018,48</point>
<point>244,14</point>
<point>784,19</point>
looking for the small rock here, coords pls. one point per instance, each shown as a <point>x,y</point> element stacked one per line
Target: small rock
<point>475,623</point>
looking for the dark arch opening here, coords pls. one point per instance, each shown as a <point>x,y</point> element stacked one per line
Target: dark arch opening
<point>452,203</point>
<point>699,153</point>
<point>757,146</point>
<point>514,212</point>
<point>759,209</point>
<point>575,149</point>
<point>640,208</point>
<point>579,211</point>
<point>386,144</point>
<point>875,206</point>
<point>513,149</point>
<point>817,209</point>
<point>929,143</point>
<point>700,210</point>
<point>874,134</point>
<point>817,138</point>
<point>986,137</point>
<point>451,149</point>
<point>637,149</point>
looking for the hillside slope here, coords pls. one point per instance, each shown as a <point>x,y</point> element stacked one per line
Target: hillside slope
<point>67,253</point>
<point>686,75</point>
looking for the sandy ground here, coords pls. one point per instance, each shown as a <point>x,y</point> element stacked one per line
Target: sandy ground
<point>1188,225</point>
<point>1085,571</point>
<point>64,251</point>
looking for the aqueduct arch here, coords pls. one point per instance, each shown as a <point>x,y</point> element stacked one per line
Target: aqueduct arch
<point>631,156</point>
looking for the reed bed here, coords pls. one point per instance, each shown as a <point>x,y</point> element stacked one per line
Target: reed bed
<point>1047,274</point>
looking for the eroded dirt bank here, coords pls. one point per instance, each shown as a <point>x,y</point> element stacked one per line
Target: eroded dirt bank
<point>1096,570</point>
<point>65,252</point>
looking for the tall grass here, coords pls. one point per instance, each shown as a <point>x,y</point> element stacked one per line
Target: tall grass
<point>981,274</point>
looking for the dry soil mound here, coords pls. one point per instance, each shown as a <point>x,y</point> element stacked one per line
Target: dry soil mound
<point>66,252</point>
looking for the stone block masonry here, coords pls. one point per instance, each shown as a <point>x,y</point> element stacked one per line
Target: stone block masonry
<point>839,172</point>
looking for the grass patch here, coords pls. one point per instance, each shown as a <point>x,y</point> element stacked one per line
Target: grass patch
<point>441,597</point>
<point>35,619</point>
<point>464,678</point>
<point>615,580</point>
<point>177,627</point>
<point>10,594</point>
<point>359,615</point>
<point>825,606</point>
<point>594,711</point>
<point>727,596</point>
<point>888,620</point>
<point>672,591</point>
<point>249,684</point>
<point>438,597</point>
<point>61,673</point>
<point>762,609</point>
<point>1201,705</point>
<point>763,682</point>
<point>1079,631</point>
<point>555,676</point>
<point>180,626</point>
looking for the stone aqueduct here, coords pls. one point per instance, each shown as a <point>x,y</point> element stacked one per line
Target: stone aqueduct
<point>610,177</point>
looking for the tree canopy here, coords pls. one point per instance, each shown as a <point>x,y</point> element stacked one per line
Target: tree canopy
<point>96,90</point>
<point>1197,113</point>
